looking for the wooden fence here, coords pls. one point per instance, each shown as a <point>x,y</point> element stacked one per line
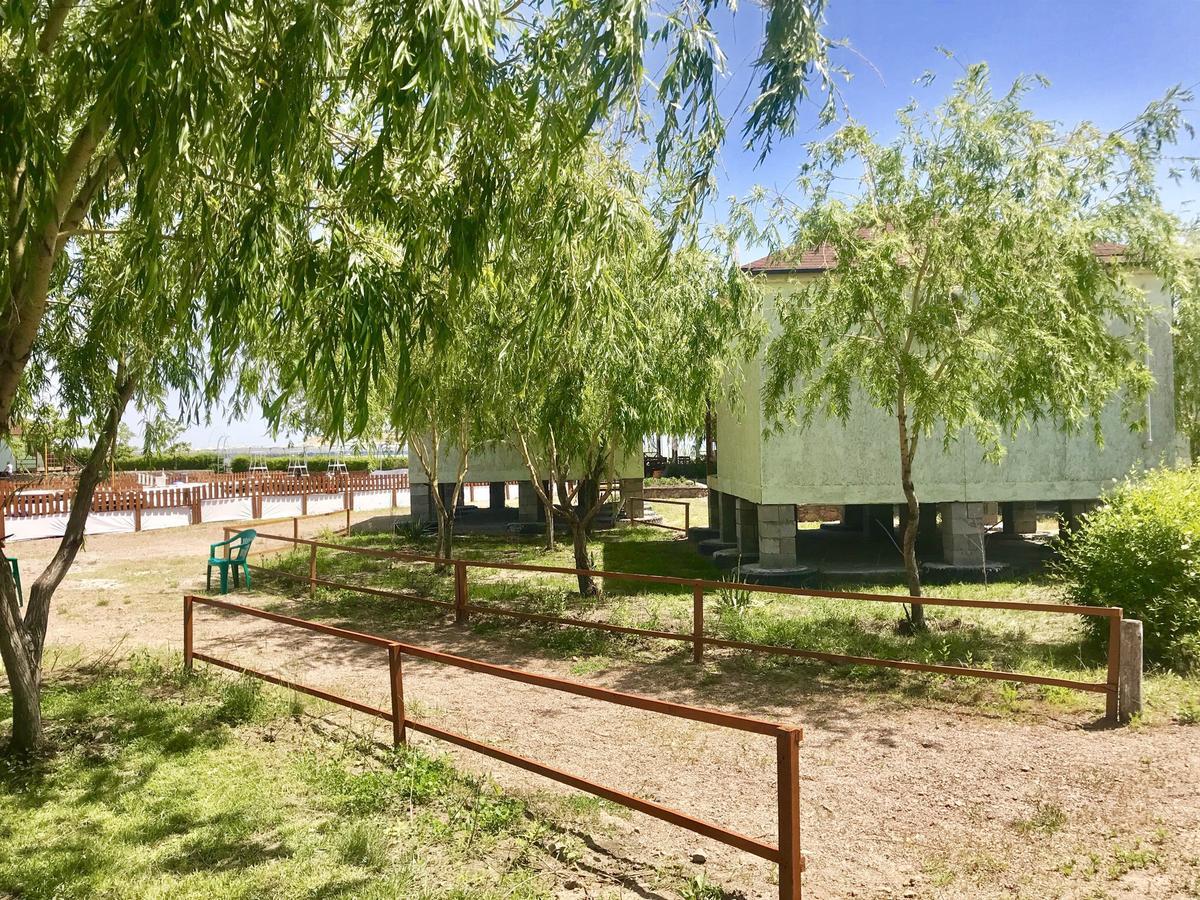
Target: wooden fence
<point>30,501</point>
<point>1123,635</point>
<point>785,853</point>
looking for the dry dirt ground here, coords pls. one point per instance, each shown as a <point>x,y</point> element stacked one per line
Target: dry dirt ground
<point>899,799</point>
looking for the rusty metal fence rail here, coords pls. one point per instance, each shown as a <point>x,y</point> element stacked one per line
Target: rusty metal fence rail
<point>785,853</point>
<point>638,503</point>
<point>699,639</point>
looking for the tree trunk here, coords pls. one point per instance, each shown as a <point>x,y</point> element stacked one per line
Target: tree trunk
<point>583,559</point>
<point>548,506</point>
<point>22,641</point>
<point>912,572</point>
<point>23,668</point>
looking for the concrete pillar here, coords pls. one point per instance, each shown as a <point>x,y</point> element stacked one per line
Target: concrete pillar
<point>632,491</point>
<point>729,518</point>
<point>495,495</point>
<point>529,504</point>
<point>447,491</point>
<point>777,535</point>
<point>991,514</point>
<point>714,508</point>
<point>879,521</point>
<point>1129,679</point>
<point>420,503</point>
<point>1071,513</point>
<point>929,539</point>
<point>747,527</point>
<point>853,516</point>
<point>962,534</point>
<point>1020,517</point>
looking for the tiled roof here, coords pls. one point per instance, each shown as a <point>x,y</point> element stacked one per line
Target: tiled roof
<point>822,258</point>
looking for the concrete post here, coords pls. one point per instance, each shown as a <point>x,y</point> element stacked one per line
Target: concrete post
<point>777,535</point>
<point>529,504</point>
<point>420,502</point>
<point>1020,517</point>
<point>991,514</point>
<point>632,491</point>
<point>747,527</point>
<point>728,523</point>
<point>962,534</point>
<point>1071,513</point>
<point>1129,680</point>
<point>714,509</point>
<point>853,516</point>
<point>495,495</point>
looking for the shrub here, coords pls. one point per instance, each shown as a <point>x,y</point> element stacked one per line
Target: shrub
<point>1141,551</point>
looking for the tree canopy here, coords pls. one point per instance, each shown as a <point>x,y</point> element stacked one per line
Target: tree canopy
<point>981,274</point>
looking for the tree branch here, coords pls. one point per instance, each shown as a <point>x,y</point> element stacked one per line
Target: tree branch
<point>55,19</point>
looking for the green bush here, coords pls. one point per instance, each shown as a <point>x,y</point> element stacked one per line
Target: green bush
<point>1141,551</point>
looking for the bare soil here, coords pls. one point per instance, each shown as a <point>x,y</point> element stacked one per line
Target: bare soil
<point>899,799</point>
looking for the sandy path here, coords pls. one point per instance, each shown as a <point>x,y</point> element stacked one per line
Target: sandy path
<point>897,801</point>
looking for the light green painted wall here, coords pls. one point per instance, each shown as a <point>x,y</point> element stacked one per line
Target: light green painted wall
<point>500,463</point>
<point>858,462</point>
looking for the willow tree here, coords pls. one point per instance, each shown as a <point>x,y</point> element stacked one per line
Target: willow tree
<point>109,109</point>
<point>641,343</point>
<point>967,294</point>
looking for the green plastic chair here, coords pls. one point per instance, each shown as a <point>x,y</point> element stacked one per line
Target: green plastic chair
<point>239,549</point>
<point>16,570</point>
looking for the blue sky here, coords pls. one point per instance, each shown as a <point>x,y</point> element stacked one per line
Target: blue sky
<point>1106,59</point>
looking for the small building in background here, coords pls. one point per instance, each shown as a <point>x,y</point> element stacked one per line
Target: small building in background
<point>760,481</point>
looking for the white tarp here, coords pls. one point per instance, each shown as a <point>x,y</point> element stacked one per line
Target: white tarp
<point>172,517</point>
<point>280,507</point>
<point>225,510</point>
<point>27,528</point>
<point>372,499</point>
<point>325,503</point>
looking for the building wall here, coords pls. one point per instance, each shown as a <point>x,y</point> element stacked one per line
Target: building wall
<point>500,463</point>
<point>858,461</point>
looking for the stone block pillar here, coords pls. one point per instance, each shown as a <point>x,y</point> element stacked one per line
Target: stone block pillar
<point>1020,517</point>
<point>495,495</point>
<point>991,514</point>
<point>632,490</point>
<point>929,539</point>
<point>729,518</point>
<point>962,534</point>
<point>747,527</point>
<point>1071,513</point>
<point>420,502</point>
<point>714,509</point>
<point>777,535</point>
<point>529,504</point>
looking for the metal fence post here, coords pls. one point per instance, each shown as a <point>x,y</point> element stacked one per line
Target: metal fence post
<point>1112,696</point>
<point>791,862</point>
<point>187,632</point>
<point>698,623</point>
<point>461,615</point>
<point>397,685</point>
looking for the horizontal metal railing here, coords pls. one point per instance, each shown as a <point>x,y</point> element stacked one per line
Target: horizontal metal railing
<point>697,637</point>
<point>785,853</point>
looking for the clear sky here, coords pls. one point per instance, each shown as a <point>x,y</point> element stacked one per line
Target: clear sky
<point>1106,59</point>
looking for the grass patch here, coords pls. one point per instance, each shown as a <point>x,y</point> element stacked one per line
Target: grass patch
<point>165,785</point>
